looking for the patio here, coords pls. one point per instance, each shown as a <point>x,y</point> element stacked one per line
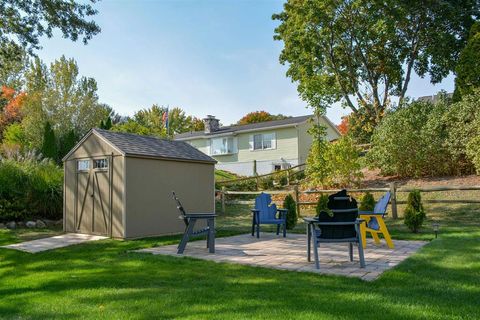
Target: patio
<point>272,251</point>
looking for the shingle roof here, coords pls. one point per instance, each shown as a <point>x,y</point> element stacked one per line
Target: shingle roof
<point>148,146</point>
<point>246,127</point>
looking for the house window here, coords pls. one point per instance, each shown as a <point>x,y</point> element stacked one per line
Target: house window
<point>83,165</point>
<point>101,164</point>
<point>264,141</point>
<point>221,146</point>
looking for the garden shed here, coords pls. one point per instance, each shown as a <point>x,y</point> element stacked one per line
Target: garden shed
<point>120,184</point>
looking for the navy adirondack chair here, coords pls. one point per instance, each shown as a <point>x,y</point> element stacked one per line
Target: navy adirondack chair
<point>375,223</point>
<point>344,226</point>
<point>190,220</point>
<point>266,212</point>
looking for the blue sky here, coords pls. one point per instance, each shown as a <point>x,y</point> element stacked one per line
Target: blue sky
<point>208,57</point>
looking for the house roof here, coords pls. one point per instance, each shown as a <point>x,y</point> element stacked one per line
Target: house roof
<point>248,127</point>
<point>147,146</point>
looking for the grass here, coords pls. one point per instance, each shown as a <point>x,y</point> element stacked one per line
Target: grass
<point>105,280</point>
<point>224,175</point>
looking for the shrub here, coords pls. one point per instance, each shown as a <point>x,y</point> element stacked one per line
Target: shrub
<point>344,160</point>
<point>414,214</point>
<point>334,164</point>
<point>462,124</point>
<point>290,205</point>
<point>266,183</point>
<point>30,188</point>
<point>368,202</point>
<point>282,179</point>
<point>322,205</point>
<point>409,142</point>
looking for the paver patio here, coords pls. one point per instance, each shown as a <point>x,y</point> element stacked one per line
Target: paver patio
<point>56,242</point>
<point>272,251</point>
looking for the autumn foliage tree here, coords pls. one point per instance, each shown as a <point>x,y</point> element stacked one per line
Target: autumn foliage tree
<point>259,116</point>
<point>343,126</point>
<point>11,111</point>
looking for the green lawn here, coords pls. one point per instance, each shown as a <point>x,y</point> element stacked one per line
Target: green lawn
<point>105,280</point>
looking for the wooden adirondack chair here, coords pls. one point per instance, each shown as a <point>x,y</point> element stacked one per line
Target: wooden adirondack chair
<point>265,212</point>
<point>374,222</point>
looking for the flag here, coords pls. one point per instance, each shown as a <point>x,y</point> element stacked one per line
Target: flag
<point>165,119</point>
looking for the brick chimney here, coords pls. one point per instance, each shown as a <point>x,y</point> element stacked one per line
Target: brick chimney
<point>211,124</point>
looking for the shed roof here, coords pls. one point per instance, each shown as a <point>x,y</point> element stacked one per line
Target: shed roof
<point>147,146</point>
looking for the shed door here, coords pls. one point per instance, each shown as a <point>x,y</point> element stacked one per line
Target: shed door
<point>93,196</point>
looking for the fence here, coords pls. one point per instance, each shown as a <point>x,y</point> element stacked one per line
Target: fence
<point>289,172</point>
<point>394,190</point>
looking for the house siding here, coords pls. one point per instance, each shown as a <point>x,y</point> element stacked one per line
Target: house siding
<point>292,146</point>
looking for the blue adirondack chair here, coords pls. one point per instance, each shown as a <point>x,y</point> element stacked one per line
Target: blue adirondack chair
<point>266,212</point>
<point>374,223</point>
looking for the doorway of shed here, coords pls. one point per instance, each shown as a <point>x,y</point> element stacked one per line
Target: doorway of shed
<point>93,214</point>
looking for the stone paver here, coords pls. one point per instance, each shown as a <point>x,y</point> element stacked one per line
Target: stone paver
<point>272,251</point>
<point>56,242</point>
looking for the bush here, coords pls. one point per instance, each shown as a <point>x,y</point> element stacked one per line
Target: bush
<point>334,164</point>
<point>266,183</point>
<point>462,124</point>
<point>425,139</point>
<point>409,142</point>
<point>290,205</point>
<point>322,205</point>
<point>30,188</point>
<point>414,214</point>
<point>368,202</point>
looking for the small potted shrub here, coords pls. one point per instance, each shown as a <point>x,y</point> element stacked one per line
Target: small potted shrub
<point>291,206</point>
<point>414,214</point>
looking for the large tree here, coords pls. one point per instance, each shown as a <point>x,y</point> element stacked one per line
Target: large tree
<point>468,71</point>
<point>259,116</point>
<point>62,97</point>
<point>153,121</point>
<point>364,52</point>
<point>25,22</point>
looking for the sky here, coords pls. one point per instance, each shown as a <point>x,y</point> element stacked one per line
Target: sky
<point>207,57</point>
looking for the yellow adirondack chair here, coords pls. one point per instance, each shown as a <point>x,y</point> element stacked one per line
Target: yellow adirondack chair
<point>374,222</point>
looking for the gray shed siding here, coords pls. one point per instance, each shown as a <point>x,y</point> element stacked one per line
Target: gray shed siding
<point>150,209</point>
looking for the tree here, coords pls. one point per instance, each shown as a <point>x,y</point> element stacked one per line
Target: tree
<point>26,22</point>
<point>290,205</point>
<point>63,98</point>
<point>49,147</point>
<point>66,142</point>
<point>343,126</point>
<point>410,142</point>
<point>259,116</point>
<point>414,213</point>
<point>151,121</point>
<point>107,124</point>
<point>13,63</point>
<point>332,164</point>
<point>11,111</point>
<point>468,72</point>
<point>366,50</point>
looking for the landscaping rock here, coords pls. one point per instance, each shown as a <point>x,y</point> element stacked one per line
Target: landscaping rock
<point>11,225</point>
<point>49,223</point>
<point>41,224</point>
<point>20,224</point>
<point>2,226</point>
<point>31,224</point>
